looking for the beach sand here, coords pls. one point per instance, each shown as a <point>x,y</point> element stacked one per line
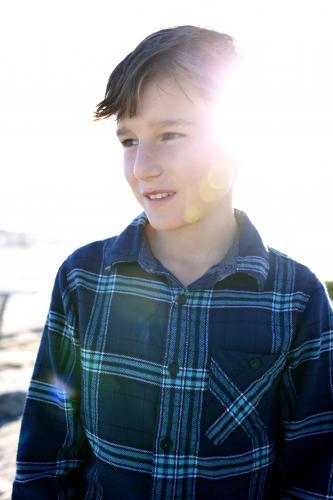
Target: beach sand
<point>17,356</point>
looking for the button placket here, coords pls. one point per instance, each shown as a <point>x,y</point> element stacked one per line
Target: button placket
<point>181,299</point>
<point>166,444</point>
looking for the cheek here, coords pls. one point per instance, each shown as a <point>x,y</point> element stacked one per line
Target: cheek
<point>189,164</point>
<point>199,162</point>
<point>128,173</point>
<point>210,175</point>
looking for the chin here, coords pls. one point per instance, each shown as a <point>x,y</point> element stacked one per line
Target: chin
<point>165,223</point>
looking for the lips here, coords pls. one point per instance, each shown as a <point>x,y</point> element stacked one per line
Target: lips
<point>158,195</point>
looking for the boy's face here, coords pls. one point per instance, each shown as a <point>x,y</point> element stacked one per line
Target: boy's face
<point>174,159</point>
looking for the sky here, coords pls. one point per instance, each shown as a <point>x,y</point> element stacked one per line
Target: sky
<point>61,172</point>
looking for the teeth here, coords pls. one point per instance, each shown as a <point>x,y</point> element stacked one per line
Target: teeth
<point>158,196</point>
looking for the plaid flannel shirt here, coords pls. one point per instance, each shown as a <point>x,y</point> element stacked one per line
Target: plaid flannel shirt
<point>146,389</point>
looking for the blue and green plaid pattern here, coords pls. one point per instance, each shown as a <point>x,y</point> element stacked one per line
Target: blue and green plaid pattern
<point>145,389</point>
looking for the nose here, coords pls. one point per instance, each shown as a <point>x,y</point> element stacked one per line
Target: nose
<point>145,163</point>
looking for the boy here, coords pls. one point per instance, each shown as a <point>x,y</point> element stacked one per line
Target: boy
<point>183,358</point>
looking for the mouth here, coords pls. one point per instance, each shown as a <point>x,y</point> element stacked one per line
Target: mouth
<point>158,195</point>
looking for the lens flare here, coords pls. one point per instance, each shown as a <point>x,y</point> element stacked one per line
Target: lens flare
<point>192,214</point>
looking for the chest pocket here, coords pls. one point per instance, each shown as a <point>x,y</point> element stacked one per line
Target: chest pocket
<point>237,383</point>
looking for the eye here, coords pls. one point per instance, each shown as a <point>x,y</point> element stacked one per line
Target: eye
<point>127,143</point>
<point>168,136</point>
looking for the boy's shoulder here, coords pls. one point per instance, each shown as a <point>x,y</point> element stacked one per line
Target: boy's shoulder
<point>290,270</point>
<point>98,255</point>
<point>89,257</point>
<point>277,271</point>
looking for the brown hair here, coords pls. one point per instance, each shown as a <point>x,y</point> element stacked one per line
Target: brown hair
<point>200,55</point>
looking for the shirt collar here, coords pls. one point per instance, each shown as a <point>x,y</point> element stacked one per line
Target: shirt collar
<point>132,246</point>
<point>253,256</point>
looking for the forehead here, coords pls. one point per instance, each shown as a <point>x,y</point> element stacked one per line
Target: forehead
<point>168,102</point>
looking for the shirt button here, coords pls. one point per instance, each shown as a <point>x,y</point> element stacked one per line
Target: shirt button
<point>255,363</point>
<point>173,369</point>
<point>181,299</point>
<point>166,444</point>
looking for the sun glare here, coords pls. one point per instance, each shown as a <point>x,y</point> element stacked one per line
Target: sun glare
<point>274,116</point>
<point>278,110</point>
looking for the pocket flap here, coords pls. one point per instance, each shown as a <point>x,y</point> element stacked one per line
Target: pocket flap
<point>239,387</point>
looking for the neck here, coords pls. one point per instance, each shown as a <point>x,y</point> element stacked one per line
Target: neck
<point>194,248</point>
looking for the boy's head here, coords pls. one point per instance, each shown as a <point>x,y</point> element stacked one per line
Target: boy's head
<point>186,54</point>
<point>164,96</point>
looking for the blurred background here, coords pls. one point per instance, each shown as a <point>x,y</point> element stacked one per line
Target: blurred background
<point>61,182</point>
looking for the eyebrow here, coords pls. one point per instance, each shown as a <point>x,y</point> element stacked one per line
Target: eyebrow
<point>162,123</point>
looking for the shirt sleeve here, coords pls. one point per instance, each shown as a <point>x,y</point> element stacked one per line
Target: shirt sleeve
<point>52,447</point>
<point>307,403</point>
